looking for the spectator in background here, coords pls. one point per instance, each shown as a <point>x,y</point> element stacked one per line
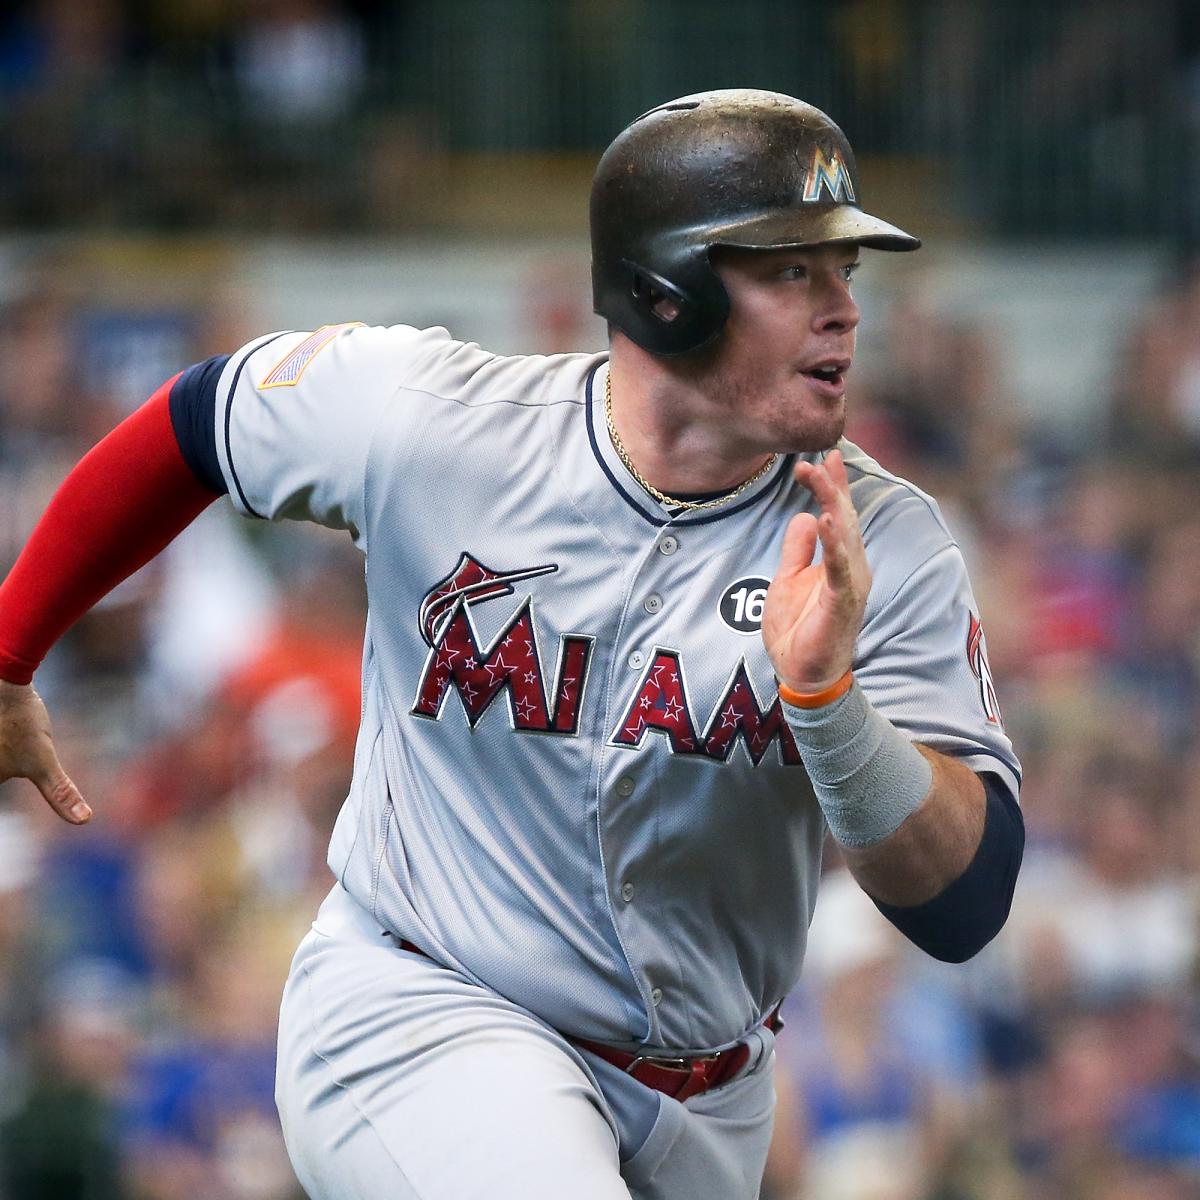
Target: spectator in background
<point>1115,1109</point>
<point>39,414</point>
<point>1155,412</point>
<point>299,71</point>
<point>298,63</point>
<point>201,1115</point>
<point>22,953</point>
<point>1116,913</point>
<point>1160,1121</point>
<point>1087,568</point>
<point>1159,660</point>
<point>60,79</point>
<point>875,1083</point>
<point>937,364</point>
<point>60,1138</point>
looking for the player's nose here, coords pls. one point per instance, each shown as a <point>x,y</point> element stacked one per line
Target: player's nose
<point>836,312</point>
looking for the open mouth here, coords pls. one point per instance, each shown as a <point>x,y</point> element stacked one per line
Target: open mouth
<point>830,375</point>
<point>825,374</point>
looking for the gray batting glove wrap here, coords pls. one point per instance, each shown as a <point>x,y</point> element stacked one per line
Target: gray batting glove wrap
<point>867,776</point>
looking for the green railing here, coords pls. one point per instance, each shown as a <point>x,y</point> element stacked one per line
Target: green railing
<point>1070,119</point>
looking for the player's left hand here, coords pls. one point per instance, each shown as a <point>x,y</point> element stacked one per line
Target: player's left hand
<point>814,611</point>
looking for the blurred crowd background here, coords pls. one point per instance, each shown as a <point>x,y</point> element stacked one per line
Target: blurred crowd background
<point>195,114</point>
<point>178,177</point>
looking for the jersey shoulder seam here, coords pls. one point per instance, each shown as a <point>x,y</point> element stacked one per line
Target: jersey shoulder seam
<point>884,604</point>
<point>389,407</point>
<point>486,402</point>
<point>912,490</point>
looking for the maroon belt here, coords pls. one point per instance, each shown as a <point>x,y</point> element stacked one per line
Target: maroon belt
<point>680,1077</point>
<point>677,1077</point>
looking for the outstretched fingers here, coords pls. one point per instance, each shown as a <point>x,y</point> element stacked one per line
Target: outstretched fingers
<point>828,483</point>
<point>814,609</point>
<point>835,465</point>
<point>835,553</point>
<point>842,550</point>
<point>799,545</point>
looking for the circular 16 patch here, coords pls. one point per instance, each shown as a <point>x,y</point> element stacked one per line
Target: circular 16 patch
<point>742,604</point>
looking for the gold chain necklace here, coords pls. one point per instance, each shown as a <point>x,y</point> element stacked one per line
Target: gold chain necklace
<point>662,497</point>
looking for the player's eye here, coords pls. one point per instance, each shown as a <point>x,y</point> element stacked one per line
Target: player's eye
<point>795,271</point>
<point>847,272</point>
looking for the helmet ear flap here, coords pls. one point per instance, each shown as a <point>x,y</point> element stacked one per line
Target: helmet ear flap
<point>670,317</point>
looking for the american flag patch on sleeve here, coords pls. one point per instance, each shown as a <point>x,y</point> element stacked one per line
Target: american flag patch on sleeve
<point>287,372</point>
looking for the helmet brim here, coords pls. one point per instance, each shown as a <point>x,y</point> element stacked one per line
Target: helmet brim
<point>814,226</point>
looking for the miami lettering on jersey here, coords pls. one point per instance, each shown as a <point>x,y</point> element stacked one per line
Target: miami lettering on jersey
<point>660,704</point>
<point>512,664</point>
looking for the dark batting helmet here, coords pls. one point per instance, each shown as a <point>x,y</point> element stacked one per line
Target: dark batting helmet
<point>725,168</point>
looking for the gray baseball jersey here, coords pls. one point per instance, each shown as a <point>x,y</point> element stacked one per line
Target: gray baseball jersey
<point>573,782</point>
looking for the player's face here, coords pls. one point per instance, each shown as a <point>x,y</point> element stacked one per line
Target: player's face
<point>781,362</point>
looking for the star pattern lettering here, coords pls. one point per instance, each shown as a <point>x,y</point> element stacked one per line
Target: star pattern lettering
<point>738,715</point>
<point>508,668</point>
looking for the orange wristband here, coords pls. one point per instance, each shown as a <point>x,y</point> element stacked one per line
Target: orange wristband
<point>817,699</point>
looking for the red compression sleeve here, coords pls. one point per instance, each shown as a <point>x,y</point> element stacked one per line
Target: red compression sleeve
<point>125,500</point>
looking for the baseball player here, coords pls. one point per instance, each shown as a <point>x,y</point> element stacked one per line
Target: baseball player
<point>643,629</point>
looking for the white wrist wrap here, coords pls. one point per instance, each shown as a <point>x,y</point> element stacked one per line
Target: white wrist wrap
<point>866,774</point>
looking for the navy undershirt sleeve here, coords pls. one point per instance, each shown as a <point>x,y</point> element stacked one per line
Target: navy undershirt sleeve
<point>962,919</point>
<point>193,417</point>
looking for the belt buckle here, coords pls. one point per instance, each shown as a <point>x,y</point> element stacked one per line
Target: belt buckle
<point>668,1064</point>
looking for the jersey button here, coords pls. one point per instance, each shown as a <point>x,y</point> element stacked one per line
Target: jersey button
<point>627,892</point>
<point>637,659</point>
<point>668,545</point>
<point>624,786</point>
<point>653,603</point>
<point>656,996</point>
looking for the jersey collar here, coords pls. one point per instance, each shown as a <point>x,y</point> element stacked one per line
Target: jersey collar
<point>636,496</point>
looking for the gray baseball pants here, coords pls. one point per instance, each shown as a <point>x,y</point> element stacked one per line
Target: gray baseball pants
<point>399,1079</point>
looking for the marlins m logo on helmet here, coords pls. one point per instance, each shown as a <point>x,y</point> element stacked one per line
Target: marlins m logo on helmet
<point>733,167</point>
<point>828,171</point>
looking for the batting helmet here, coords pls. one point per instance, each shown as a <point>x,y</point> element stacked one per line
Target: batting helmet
<point>727,168</point>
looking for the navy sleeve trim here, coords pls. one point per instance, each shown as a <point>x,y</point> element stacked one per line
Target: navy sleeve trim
<point>241,491</point>
<point>971,751</point>
<point>969,912</point>
<point>193,417</point>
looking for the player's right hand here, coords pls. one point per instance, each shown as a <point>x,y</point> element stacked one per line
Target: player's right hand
<point>814,610</point>
<point>27,752</point>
